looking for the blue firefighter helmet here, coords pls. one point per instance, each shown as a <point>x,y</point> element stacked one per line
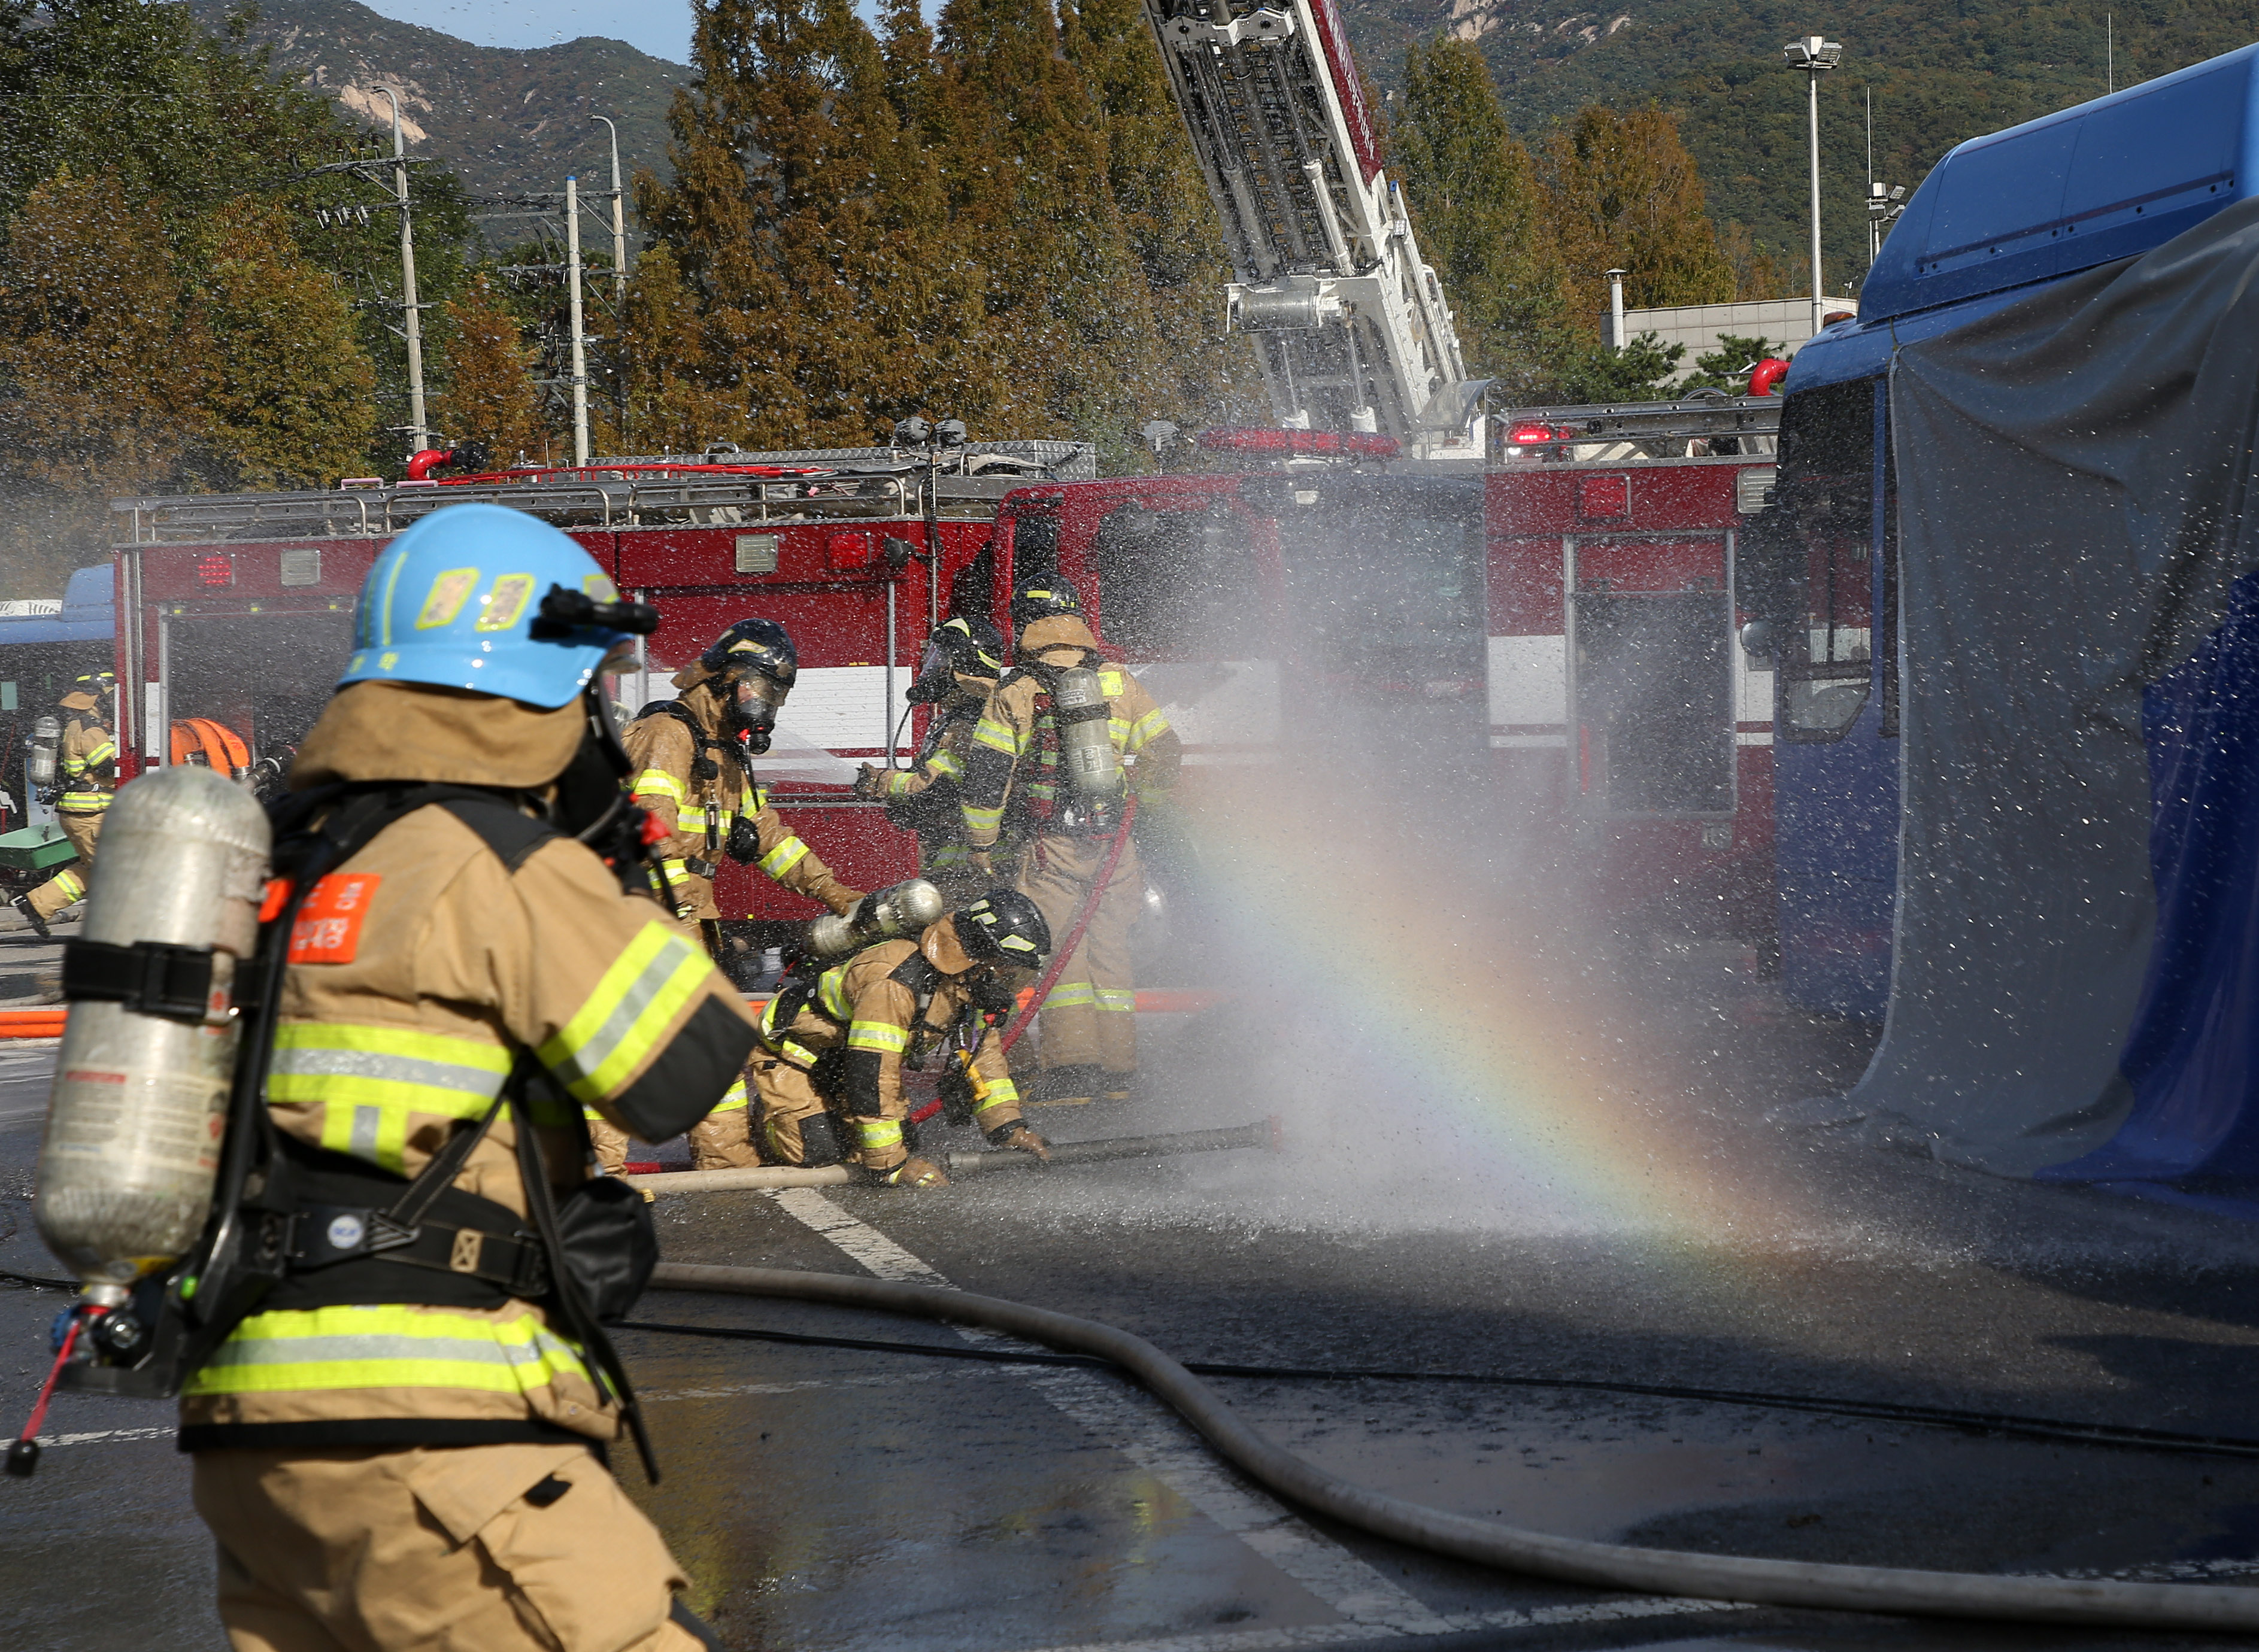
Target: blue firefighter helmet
<point>481,597</point>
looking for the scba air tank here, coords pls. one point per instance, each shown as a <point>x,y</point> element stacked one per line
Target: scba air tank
<point>892,914</point>
<point>40,764</point>
<point>141,1097</point>
<point>1092,768</point>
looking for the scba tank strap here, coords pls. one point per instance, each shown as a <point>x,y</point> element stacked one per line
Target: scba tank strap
<point>702,767</point>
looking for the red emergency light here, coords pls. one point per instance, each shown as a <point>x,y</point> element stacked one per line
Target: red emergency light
<point>1530,435</point>
<point>1301,444</point>
<point>215,569</point>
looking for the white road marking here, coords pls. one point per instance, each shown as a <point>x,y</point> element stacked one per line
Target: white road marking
<point>99,1436</point>
<point>1152,1437</point>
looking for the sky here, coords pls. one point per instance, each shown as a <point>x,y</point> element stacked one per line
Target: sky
<point>660,27</point>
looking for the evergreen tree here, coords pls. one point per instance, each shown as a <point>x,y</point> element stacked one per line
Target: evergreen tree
<point>103,373</point>
<point>1480,213</point>
<point>490,399</point>
<point>1624,194</point>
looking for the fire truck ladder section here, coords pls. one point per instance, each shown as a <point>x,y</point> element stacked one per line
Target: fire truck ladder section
<point>1351,325</point>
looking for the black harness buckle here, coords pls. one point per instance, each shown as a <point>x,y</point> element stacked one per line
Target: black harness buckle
<point>150,977</point>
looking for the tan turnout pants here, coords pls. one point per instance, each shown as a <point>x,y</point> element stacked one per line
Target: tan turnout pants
<point>723,1140</point>
<point>462,1548</point>
<point>1089,1017</point>
<point>789,1099</point>
<point>67,887</point>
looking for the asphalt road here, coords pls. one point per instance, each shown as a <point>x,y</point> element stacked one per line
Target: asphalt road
<point>824,1498</point>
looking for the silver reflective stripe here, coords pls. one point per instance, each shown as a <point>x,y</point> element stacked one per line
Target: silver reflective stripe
<point>309,1350</point>
<point>583,1064</point>
<point>366,1121</point>
<point>369,1063</point>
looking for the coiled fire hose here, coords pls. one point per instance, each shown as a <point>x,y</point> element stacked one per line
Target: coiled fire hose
<point>1780,1583</point>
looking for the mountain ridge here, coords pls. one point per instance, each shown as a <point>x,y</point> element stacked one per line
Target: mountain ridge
<point>509,121</point>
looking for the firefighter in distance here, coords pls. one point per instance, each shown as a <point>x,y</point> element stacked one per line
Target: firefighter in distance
<point>834,1047</point>
<point>1014,784</point>
<point>402,1446</point>
<point>85,761</point>
<point>693,778</point>
<point>964,658</point>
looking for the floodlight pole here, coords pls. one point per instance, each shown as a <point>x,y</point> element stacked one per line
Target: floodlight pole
<point>619,218</point>
<point>411,312</point>
<point>579,343</point>
<point>1813,56</point>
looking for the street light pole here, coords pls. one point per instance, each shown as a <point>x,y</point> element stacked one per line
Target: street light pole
<point>411,312</point>
<point>1815,57</point>
<point>619,218</point>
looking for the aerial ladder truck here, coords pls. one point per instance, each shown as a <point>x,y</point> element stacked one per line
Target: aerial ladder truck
<point>1351,325</point>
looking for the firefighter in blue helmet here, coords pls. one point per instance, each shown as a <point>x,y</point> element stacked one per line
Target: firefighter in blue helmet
<point>400,1448</point>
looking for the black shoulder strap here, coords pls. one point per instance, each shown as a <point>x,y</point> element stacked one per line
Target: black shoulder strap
<point>702,767</point>
<point>501,826</point>
<point>917,974</point>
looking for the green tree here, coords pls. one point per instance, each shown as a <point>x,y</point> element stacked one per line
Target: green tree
<point>490,397</point>
<point>103,371</point>
<point>1727,366</point>
<point>1624,194</point>
<point>287,400</point>
<point>1581,374</point>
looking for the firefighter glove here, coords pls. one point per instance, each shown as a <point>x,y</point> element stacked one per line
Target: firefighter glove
<point>868,783</point>
<point>916,1173</point>
<point>1020,1139</point>
<point>744,842</point>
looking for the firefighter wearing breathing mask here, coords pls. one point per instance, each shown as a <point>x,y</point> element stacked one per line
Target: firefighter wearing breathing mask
<point>1066,806</point>
<point>963,659</point>
<point>834,1045</point>
<point>402,1445</point>
<point>86,764</point>
<point>693,777</point>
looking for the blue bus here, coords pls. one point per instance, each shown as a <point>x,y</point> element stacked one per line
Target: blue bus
<point>2053,206</point>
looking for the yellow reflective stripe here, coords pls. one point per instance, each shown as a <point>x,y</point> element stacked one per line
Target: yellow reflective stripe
<point>103,753</point>
<point>386,1346</point>
<point>1147,729</point>
<point>983,820</point>
<point>368,1080</point>
<point>897,782</point>
<point>658,783</point>
<point>945,765</point>
<point>70,886</point>
<point>732,1100</point>
<point>1110,683</point>
<point>999,736</point>
<point>784,857</point>
<point>831,992</point>
<point>610,1035</point>
<point>879,1132</point>
<point>1120,1000</point>
<point>1069,997</point>
<point>797,1050</point>
<point>878,1035</point>
<point>998,1092</point>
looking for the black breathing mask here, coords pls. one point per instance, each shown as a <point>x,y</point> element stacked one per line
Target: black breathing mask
<point>992,996</point>
<point>750,708</point>
<point>589,799</point>
<point>937,677</point>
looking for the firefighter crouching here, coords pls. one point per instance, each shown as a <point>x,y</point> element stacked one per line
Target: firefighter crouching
<point>402,1448</point>
<point>86,761</point>
<point>1015,779</point>
<point>693,778</point>
<point>832,1048</point>
<point>963,659</point>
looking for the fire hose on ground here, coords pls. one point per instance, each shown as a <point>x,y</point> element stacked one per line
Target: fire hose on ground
<point>1818,1586</point>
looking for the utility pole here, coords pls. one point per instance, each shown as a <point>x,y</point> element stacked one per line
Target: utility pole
<point>580,342</point>
<point>1815,57</point>
<point>619,218</point>
<point>411,312</point>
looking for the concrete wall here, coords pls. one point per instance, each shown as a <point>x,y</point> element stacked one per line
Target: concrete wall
<point>1786,322</point>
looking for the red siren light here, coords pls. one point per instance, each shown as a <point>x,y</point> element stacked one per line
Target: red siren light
<point>215,568</point>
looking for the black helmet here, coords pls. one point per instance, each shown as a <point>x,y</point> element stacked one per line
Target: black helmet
<point>1003,927</point>
<point>755,664</point>
<point>1042,595</point>
<point>960,647</point>
<point>755,645</point>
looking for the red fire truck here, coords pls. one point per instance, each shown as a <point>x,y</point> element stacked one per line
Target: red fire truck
<point>1559,629</point>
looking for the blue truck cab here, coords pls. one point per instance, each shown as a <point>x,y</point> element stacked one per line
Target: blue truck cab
<point>1998,218</point>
